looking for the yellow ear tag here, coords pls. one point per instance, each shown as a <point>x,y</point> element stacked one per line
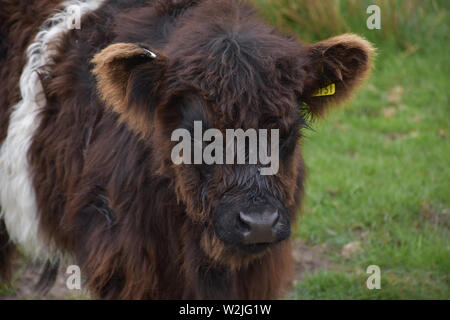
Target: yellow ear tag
<point>327,91</point>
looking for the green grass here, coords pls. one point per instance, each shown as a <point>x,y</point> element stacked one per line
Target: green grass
<point>351,285</point>
<point>379,168</point>
<point>7,290</point>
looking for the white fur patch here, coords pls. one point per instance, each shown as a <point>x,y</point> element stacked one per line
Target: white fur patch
<point>17,195</point>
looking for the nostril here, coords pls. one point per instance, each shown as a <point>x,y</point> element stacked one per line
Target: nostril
<point>245,218</point>
<point>244,222</point>
<point>258,226</point>
<point>273,219</point>
<point>267,219</point>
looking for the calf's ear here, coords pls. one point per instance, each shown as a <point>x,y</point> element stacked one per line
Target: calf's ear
<point>334,69</point>
<point>129,77</point>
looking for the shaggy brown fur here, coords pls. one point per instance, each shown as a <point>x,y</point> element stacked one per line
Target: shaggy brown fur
<point>19,23</point>
<point>108,193</point>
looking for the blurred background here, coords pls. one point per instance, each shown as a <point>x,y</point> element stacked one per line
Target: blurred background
<point>378,191</point>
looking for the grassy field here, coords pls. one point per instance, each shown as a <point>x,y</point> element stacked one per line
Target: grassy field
<point>378,191</point>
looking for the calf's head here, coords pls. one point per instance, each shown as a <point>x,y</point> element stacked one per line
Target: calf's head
<point>246,78</point>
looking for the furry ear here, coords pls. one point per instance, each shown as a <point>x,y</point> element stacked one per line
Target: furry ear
<point>129,77</point>
<point>335,68</point>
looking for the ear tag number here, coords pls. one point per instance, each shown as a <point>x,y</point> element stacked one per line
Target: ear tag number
<point>326,91</point>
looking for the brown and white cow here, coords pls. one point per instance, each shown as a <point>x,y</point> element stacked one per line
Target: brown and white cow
<point>86,117</point>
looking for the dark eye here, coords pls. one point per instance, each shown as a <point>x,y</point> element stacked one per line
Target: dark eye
<point>302,123</point>
<point>290,140</point>
<point>205,170</point>
<point>288,143</point>
<point>189,115</point>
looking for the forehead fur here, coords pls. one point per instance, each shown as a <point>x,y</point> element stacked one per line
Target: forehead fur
<point>249,72</point>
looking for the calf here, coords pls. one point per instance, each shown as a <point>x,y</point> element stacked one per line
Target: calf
<point>86,127</point>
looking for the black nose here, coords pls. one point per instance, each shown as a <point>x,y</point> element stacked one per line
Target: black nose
<point>258,225</point>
